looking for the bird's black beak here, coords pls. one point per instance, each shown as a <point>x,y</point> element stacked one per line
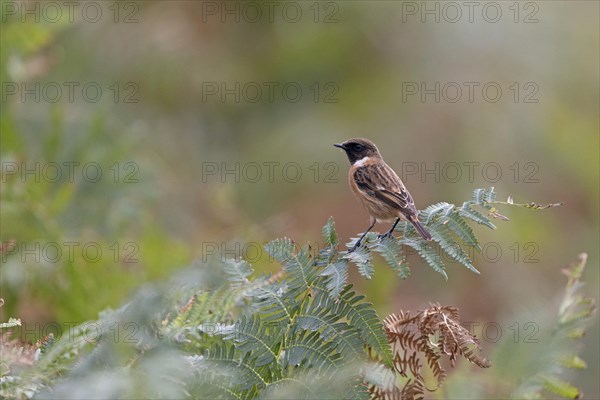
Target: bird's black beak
<point>340,145</point>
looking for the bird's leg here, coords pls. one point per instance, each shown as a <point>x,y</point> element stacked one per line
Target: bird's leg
<point>357,244</point>
<point>389,233</point>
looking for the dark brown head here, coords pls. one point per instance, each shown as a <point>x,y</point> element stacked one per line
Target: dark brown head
<point>359,148</point>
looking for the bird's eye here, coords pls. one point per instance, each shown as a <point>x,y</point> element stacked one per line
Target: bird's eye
<point>358,147</point>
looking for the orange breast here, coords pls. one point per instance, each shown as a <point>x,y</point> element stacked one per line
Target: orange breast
<point>376,208</point>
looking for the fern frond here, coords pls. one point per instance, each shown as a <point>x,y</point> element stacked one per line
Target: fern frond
<point>574,313</point>
<point>304,331</point>
<point>363,317</point>
<point>281,249</point>
<point>224,368</point>
<point>390,249</point>
<point>306,350</point>
<point>15,354</point>
<point>251,336</point>
<point>467,211</point>
<point>447,215</point>
<point>428,253</point>
<point>323,314</point>
<point>203,307</point>
<point>59,357</point>
<point>238,271</point>
<point>441,235</point>
<point>272,302</point>
<point>362,257</point>
<point>336,274</point>
<point>329,233</point>
<point>447,223</point>
<point>412,349</point>
<point>344,383</point>
<point>572,361</point>
<point>300,267</point>
<point>434,211</point>
<point>532,205</point>
<point>481,197</point>
<point>381,382</point>
<point>461,229</point>
<point>559,387</point>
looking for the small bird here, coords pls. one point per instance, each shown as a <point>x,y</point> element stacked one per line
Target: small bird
<point>378,188</point>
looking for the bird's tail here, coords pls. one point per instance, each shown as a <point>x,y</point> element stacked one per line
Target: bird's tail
<point>421,229</point>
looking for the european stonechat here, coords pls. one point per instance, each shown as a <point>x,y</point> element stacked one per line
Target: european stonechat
<point>379,188</point>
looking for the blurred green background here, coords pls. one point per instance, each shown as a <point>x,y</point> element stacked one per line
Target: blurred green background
<point>212,126</point>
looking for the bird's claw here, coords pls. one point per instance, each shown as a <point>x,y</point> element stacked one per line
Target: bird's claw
<point>356,246</point>
<point>384,235</point>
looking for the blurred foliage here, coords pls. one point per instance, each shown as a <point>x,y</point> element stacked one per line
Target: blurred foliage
<point>575,312</point>
<point>57,249</point>
<point>215,331</point>
<point>547,150</point>
<point>77,231</point>
<point>550,355</point>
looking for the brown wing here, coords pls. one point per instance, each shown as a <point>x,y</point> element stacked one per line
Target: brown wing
<point>379,181</point>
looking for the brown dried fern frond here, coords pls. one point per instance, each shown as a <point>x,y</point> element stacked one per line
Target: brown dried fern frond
<point>15,353</point>
<point>412,346</point>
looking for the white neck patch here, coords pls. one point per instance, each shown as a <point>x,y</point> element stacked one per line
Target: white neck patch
<point>362,161</point>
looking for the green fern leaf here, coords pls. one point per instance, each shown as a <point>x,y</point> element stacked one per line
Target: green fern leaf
<point>272,302</point>
<point>447,214</point>
<point>559,387</point>
<point>280,249</point>
<point>362,257</point>
<point>238,271</point>
<point>363,317</point>
<point>329,233</point>
<point>571,361</point>
<point>306,350</point>
<point>461,229</point>
<point>389,248</point>
<point>482,197</point>
<point>344,383</point>
<point>427,253</point>
<point>441,235</point>
<point>236,374</point>
<point>250,335</point>
<point>575,312</point>
<point>430,213</point>
<point>323,315</point>
<point>204,307</point>
<point>467,211</point>
<point>490,195</point>
<point>299,266</point>
<point>478,196</point>
<point>336,274</point>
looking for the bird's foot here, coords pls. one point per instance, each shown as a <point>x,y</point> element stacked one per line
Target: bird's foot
<point>384,235</point>
<point>356,246</point>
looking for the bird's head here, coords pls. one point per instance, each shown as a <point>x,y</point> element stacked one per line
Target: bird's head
<point>358,148</point>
